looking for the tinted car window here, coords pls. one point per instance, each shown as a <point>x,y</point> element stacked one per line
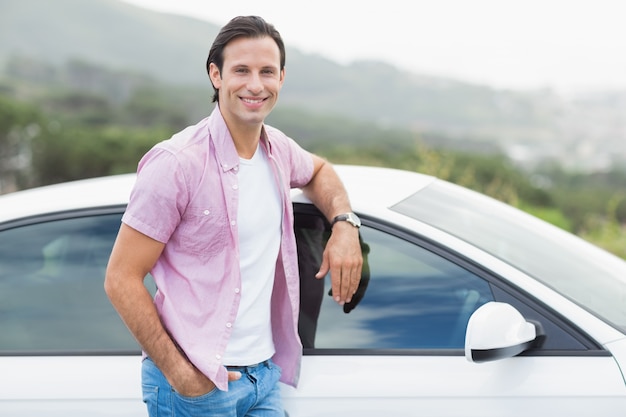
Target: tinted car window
<point>51,287</point>
<point>591,277</point>
<point>411,297</point>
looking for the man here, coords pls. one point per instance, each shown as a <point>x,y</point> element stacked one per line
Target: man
<point>210,219</point>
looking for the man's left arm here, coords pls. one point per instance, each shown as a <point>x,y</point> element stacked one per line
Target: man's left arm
<point>342,256</point>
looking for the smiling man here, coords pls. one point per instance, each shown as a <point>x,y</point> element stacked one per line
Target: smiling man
<point>210,218</point>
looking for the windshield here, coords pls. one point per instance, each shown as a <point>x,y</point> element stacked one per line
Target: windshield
<point>587,275</point>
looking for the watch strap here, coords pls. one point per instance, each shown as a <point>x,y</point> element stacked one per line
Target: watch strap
<point>347,217</point>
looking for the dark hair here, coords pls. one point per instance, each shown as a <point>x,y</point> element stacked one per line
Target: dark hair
<point>242,26</point>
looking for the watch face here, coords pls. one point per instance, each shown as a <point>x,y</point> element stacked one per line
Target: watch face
<point>353,219</point>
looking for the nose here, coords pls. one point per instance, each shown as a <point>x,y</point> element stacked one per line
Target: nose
<point>255,85</point>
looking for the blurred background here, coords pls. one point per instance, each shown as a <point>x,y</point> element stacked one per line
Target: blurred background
<point>521,100</point>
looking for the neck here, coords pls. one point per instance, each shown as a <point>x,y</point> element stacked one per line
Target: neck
<point>245,136</point>
<point>246,141</point>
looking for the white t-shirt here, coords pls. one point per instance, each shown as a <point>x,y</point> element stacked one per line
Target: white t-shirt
<point>259,226</point>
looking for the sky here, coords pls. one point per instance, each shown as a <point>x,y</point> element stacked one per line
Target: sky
<point>565,45</point>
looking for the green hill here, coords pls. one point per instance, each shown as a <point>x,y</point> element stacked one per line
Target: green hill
<point>173,49</point>
<point>109,33</point>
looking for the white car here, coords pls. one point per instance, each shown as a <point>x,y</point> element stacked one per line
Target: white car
<point>468,307</point>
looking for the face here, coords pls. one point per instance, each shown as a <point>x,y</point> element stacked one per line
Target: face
<point>250,80</point>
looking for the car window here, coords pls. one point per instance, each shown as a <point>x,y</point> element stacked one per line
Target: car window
<point>51,287</point>
<point>591,277</point>
<point>411,297</point>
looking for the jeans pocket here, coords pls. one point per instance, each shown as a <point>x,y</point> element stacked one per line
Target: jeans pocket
<point>198,398</point>
<point>277,370</point>
<point>213,403</point>
<point>150,396</point>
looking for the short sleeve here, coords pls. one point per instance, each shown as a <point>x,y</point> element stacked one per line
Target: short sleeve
<point>159,196</point>
<point>301,165</point>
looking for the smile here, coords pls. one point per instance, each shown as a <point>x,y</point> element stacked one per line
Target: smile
<point>253,101</point>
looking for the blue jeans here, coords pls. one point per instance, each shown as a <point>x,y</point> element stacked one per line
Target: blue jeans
<point>255,394</point>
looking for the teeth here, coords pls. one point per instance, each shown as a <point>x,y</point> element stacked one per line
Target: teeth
<point>249,100</point>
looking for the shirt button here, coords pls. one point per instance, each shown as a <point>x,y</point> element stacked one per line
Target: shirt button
<point>229,325</point>
<point>235,187</point>
<point>237,290</point>
<point>206,212</point>
<point>218,357</point>
<point>233,223</point>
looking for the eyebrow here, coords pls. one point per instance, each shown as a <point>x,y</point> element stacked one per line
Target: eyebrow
<point>272,67</point>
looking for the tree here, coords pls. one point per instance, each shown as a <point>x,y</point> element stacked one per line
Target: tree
<point>19,125</point>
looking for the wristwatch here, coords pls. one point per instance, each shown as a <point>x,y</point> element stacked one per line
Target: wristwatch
<point>351,218</point>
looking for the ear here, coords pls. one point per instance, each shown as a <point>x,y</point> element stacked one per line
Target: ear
<point>282,77</point>
<point>216,77</point>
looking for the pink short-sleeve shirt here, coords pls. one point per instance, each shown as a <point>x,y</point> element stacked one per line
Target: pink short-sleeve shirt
<point>186,197</point>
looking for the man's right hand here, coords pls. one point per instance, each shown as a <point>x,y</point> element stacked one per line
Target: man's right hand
<point>197,384</point>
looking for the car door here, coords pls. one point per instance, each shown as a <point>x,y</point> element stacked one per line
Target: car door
<point>63,349</point>
<point>400,350</point>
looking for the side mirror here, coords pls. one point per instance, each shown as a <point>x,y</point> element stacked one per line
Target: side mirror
<point>496,331</point>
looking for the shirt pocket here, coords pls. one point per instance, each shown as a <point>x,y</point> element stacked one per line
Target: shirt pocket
<point>204,231</point>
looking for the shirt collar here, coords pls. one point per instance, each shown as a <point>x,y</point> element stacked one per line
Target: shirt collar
<point>225,151</point>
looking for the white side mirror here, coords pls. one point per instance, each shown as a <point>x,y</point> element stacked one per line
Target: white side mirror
<point>497,330</point>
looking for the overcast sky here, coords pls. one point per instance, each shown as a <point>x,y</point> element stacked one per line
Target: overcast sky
<point>569,45</point>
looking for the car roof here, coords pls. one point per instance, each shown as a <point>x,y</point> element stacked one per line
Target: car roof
<point>368,186</point>
<point>376,186</point>
<point>93,192</point>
